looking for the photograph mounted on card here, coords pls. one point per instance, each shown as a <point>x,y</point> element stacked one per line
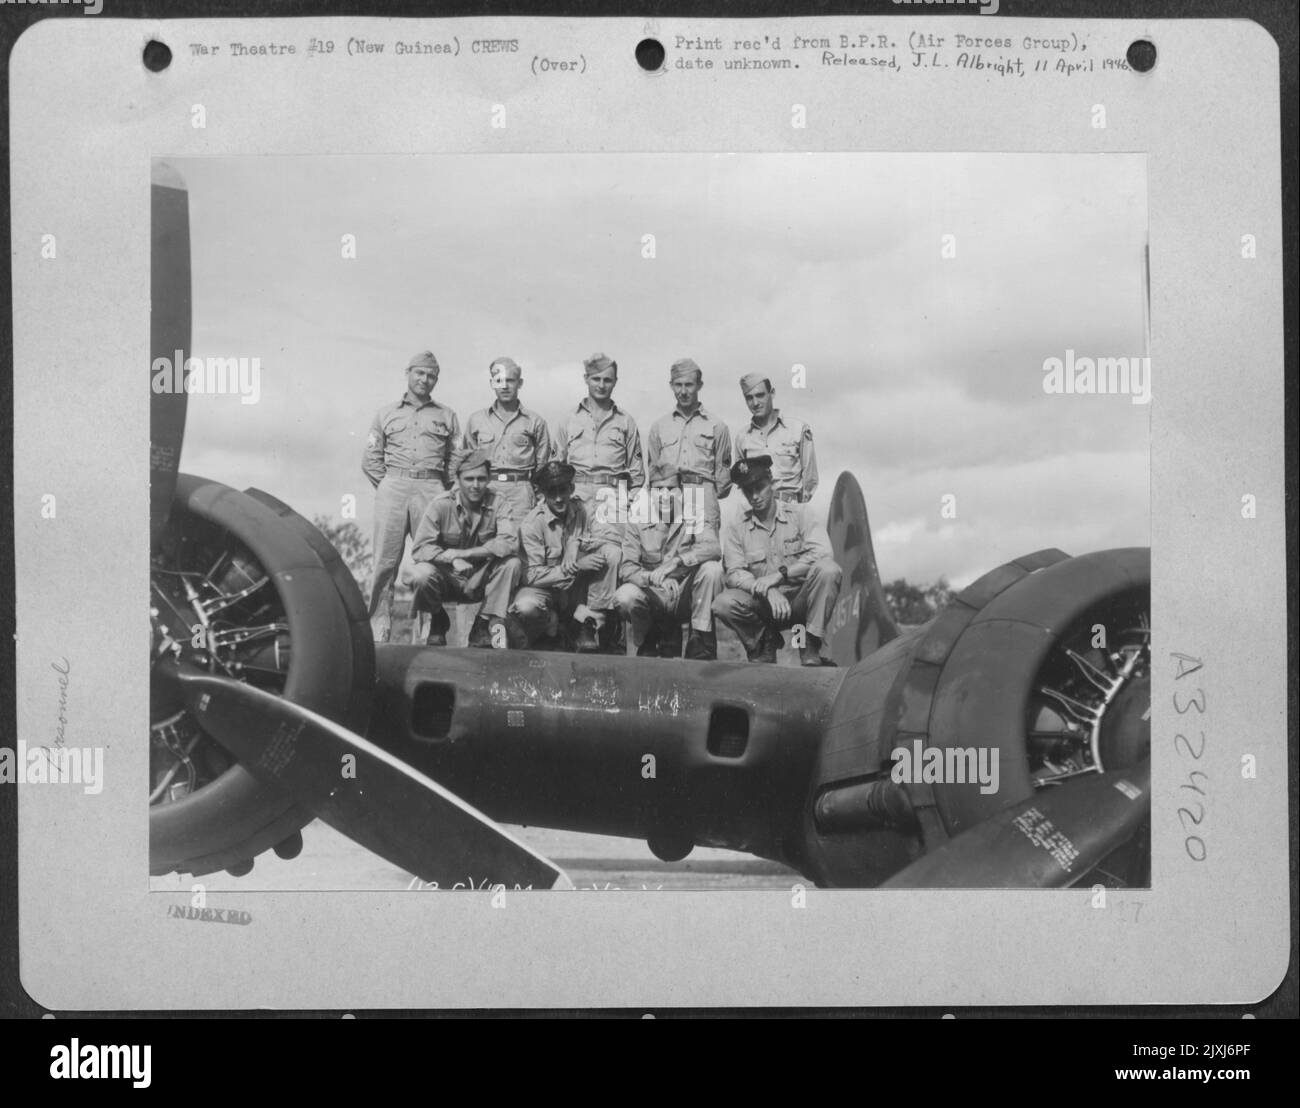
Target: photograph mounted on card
<point>593,456</point>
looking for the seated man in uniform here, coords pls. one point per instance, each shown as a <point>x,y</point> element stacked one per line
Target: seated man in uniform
<point>778,570</point>
<point>670,572</point>
<point>572,572</point>
<point>467,548</point>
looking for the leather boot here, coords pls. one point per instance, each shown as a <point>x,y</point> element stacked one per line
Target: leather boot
<point>769,643</point>
<point>611,637</point>
<point>702,646</point>
<point>516,636</point>
<point>439,625</point>
<point>810,654</point>
<point>649,647</point>
<point>670,641</point>
<point>588,640</point>
<point>480,635</point>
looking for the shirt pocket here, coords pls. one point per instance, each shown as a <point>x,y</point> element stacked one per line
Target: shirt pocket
<point>436,431</point>
<point>484,438</point>
<point>614,438</point>
<point>756,555</point>
<point>397,424</point>
<point>792,548</point>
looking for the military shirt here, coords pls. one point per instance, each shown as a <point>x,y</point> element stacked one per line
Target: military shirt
<point>697,444</point>
<point>789,443</point>
<point>516,440</point>
<point>600,444</point>
<point>447,526</point>
<point>646,546</point>
<point>410,435</point>
<point>751,550</point>
<point>549,540</point>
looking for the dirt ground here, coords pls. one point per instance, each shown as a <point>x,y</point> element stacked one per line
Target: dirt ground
<point>331,861</point>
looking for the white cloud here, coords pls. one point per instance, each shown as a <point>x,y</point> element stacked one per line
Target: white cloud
<point>924,373</point>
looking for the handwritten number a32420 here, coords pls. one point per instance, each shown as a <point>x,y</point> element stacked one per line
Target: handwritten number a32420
<point>1193,843</point>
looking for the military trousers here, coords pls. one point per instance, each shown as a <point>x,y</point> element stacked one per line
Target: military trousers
<point>692,597</point>
<point>493,582</point>
<point>700,502</point>
<point>539,608</point>
<point>812,601</point>
<point>399,507</point>
<point>517,496</point>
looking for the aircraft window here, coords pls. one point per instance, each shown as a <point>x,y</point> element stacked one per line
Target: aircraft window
<point>431,709</point>
<point>728,731</point>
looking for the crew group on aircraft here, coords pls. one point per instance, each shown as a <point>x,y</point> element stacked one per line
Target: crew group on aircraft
<point>576,536</point>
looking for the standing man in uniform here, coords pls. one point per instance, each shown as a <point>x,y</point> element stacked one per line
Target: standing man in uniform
<point>778,569</point>
<point>406,459</point>
<point>689,447</point>
<point>788,442</point>
<point>467,549</point>
<point>670,572</point>
<point>602,444</point>
<point>516,439</point>
<point>569,572</point>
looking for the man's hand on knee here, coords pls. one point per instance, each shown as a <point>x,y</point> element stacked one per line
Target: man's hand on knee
<point>776,600</point>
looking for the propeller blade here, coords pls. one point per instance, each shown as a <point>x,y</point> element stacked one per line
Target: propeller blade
<point>1048,841</point>
<point>169,338</point>
<point>381,802</point>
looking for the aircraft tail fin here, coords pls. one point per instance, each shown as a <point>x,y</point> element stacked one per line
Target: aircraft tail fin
<point>862,622</point>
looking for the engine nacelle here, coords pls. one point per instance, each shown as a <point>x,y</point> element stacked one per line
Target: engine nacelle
<point>1036,674</point>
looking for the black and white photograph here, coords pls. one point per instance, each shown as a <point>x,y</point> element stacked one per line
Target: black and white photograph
<point>809,486</point>
<point>673,521</point>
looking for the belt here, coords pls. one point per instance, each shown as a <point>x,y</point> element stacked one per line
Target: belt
<point>595,479</point>
<point>694,479</point>
<point>512,475</point>
<point>418,474</point>
<point>790,496</point>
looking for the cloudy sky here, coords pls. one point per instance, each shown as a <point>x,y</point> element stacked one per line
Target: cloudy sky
<point>924,374</point>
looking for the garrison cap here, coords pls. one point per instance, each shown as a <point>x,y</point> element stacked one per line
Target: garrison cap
<point>752,381</point>
<point>598,363</point>
<point>473,460</point>
<point>503,364</point>
<point>424,359</point>
<point>748,472</point>
<point>553,475</point>
<point>684,367</point>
